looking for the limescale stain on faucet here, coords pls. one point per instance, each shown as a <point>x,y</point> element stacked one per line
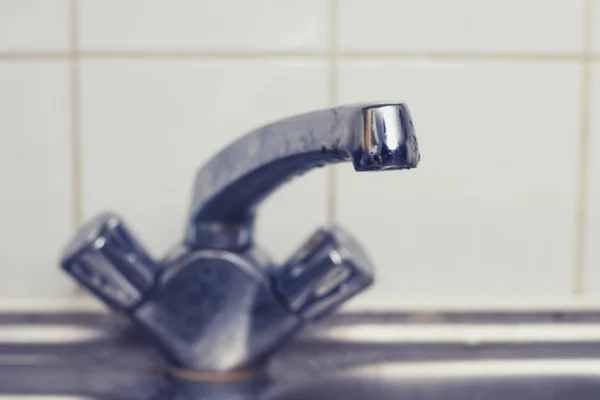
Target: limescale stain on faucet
<point>217,302</point>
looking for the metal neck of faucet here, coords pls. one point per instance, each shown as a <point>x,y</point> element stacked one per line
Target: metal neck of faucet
<point>232,184</point>
<point>218,303</point>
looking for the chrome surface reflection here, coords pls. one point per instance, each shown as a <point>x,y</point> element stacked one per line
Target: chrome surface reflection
<point>464,333</point>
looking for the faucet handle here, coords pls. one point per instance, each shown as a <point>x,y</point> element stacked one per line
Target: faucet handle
<point>327,270</point>
<point>110,262</point>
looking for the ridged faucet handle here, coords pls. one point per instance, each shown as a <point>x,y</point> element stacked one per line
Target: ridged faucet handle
<point>106,258</point>
<point>327,270</point>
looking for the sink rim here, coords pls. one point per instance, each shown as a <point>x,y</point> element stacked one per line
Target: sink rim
<point>314,356</point>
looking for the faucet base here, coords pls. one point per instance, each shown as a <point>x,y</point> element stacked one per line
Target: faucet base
<point>225,376</point>
<point>214,310</point>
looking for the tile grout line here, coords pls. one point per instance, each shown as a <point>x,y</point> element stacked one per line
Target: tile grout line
<point>74,86</point>
<point>7,57</point>
<point>581,223</point>
<point>433,56</point>
<point>77,211</point>
<point>332,100</point>
<point>275,55</point>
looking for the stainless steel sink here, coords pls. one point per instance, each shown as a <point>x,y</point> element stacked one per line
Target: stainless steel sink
<point>512,355</point>
<point>472,380</point>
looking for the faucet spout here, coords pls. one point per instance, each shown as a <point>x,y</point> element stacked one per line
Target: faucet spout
<point>231,185</point>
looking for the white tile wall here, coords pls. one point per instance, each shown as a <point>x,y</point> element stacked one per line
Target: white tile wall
<point>36,177</point>
<point>496,89</point>
<point>469,26</point>
<point>34,25</point>
<point>595,32</point>
<point>491,208</point>
<point>592,254</point>
<point>188,25</point>
<point>147,127</point>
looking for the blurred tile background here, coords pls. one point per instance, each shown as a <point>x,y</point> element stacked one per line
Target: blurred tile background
<point>109,104</point>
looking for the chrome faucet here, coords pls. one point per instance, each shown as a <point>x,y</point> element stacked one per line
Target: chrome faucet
<point>216,302</point>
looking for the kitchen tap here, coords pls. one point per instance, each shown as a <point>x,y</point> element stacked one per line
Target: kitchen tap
<point>216,302</point>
